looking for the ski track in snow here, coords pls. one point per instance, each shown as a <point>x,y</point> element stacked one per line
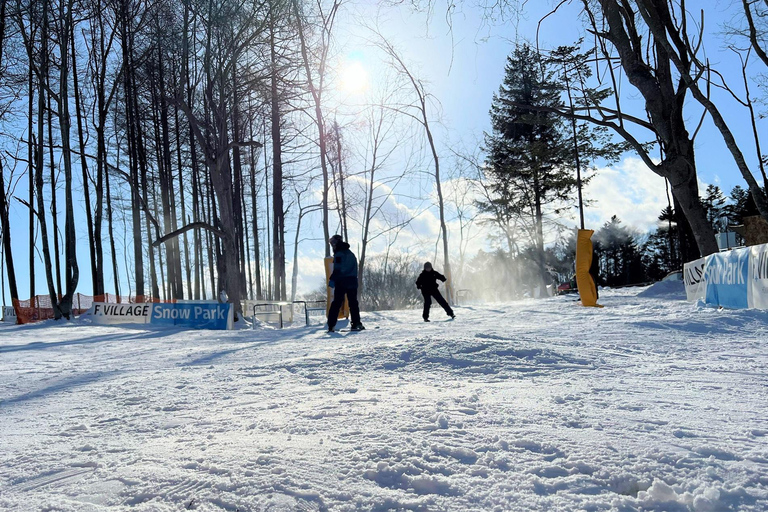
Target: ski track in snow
<point>648,404</point>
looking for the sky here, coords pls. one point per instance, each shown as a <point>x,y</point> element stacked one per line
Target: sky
<point>462,65</point>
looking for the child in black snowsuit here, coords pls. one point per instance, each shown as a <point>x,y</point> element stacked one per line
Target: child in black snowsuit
<point>427,283</point>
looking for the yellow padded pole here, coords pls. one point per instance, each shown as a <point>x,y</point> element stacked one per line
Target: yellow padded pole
<point>584,281</point>
<point>344,311</point>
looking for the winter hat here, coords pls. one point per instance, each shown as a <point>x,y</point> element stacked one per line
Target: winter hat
<point>427,266</point>
<point>335,240</point>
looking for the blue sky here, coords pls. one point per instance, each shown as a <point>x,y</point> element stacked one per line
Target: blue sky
<point>463,67</point>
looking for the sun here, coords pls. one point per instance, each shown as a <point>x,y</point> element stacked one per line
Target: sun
<point>353,78</point>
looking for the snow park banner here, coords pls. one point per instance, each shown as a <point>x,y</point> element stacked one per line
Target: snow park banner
<point>758,276</point>
<point>9,314</point>
<point>693,277</point>
<point>194,315</point>
<point>727,274</point>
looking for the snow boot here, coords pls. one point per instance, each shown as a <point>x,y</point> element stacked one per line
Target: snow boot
<point>426,319</point>
<point>357,327</point>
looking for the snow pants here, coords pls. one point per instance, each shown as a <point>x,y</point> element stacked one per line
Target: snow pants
<point>428,294</point>
<point>338,300</point>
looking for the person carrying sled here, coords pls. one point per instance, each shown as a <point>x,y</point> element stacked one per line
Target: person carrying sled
<point>344,283</point>
<point>427,283</point>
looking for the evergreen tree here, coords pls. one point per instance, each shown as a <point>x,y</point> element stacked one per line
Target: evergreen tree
<point>661,251</point>
<point>714,204</point>
<point>741,205</point>
<point>534,154</point>
<point>620,258</point>
<point>529,154</point>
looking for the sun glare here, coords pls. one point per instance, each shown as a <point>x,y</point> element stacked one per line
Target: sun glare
<point>354,78</point>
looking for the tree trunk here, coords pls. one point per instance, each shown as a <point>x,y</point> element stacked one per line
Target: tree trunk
<point>7,230</point>
<point>31,171</point>
<point>102,110</point>
<point>269,295</point>
<point>440,203</point>
<point>111,231</point>
<point>255,223</point>
<point>345,231</point>
<point>165,175</point>
<point>40,157</point>
<point>72,271</point>
<point>132,138</point>
<point>278,215</point>
<point>317,92</point>
<point>295,272</point>
<point>6,227</point>
<point>97,280</point>
<point>54,202</point>
<point>184,220</point>
<point>237,175</point>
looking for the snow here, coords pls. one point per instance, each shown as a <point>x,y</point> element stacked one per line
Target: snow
<point>648,404</point>
<point>665,290</point>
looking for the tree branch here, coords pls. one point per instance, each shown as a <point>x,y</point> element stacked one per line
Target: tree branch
<point>188,227</point>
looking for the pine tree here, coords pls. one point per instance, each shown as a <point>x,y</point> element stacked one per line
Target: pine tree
<point>714,204</point>
<point>621,260</point>
<point>530,156</point>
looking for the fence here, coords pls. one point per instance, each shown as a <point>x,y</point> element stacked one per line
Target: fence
<point>281,312</point>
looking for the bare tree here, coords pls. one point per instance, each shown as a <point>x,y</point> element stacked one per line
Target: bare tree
<point>620,38</point>
<point>418,111</point>
<point>382,141</point>
<point>302,211</point>
<point>316,84</point>
<point>228,37</point>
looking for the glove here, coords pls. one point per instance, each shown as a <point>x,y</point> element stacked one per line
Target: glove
<point>331,284</point>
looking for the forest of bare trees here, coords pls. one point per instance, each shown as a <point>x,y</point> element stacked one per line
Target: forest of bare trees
<point>191,145</point>
<point>181,130</point>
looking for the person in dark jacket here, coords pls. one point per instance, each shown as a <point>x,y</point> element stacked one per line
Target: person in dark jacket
<point>427,283</point>
<point>343,281</point>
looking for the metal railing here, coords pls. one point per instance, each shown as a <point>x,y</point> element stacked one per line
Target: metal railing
<point>280,306</point>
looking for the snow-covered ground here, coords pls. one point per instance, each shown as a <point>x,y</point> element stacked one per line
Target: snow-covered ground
<point>650,403</point>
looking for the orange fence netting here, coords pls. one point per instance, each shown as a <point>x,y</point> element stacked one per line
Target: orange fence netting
<point>40,307</point>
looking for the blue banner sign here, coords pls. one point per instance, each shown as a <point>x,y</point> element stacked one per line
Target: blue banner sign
<point>726,275</point>
<point>193,315</point>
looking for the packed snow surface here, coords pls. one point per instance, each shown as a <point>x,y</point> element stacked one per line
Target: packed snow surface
<point>648,404</point>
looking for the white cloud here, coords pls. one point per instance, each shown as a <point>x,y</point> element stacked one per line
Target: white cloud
<point>628,190</point>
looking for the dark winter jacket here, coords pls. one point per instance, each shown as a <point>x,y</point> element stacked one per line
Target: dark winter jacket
<point>344,267</point>
<point>427,281</point>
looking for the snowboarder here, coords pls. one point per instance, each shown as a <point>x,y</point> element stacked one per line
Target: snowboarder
<point>427,283</point>
<point>344,282</point>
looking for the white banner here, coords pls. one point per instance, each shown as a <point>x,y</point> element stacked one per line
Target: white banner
<point>733,279</point>
<point>693,277</point>
<point>758,276</point>
<point>9,314</point>
<point>104,313</point>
